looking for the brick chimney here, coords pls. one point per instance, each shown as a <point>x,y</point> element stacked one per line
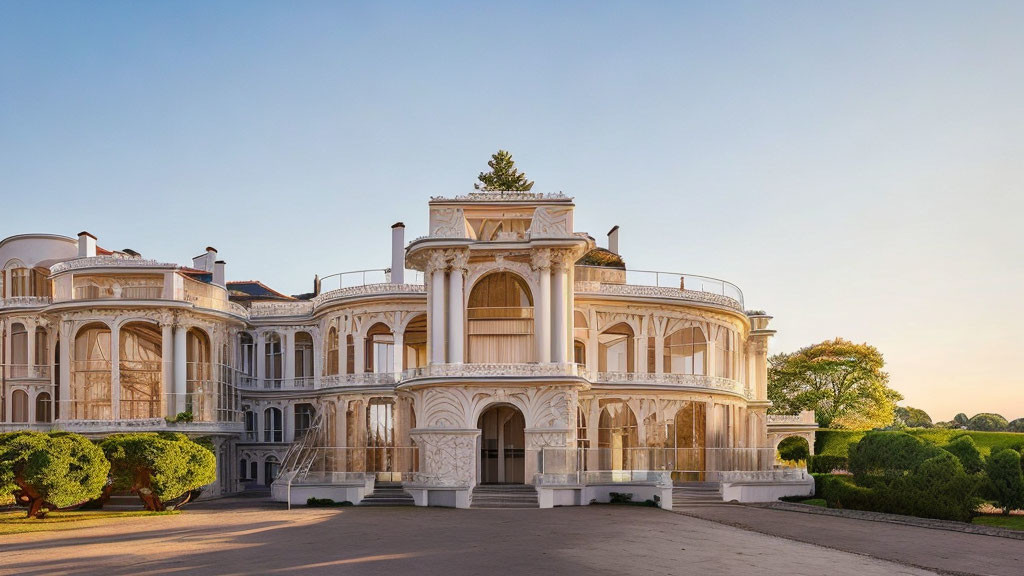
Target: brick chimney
<point>86,245</point>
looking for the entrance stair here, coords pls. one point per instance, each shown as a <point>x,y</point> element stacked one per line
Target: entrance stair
<point>504,496</point>
<point>696,494</point>
<point>388,494</point>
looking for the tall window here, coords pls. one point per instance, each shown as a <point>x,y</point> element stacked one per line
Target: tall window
<point>43,405</point>
<point>272,360</point>
<point>19,406</point>
<point>686,352</point>
<point>141,371</point>
<point>90,384</point>
<point>616,349</point>
<point>19,351</point>
<point>500,320</point>
<point>303,418</point>
<point>332,351</point>
<point>247,350</point>
<point>42,353</point>
<point>416,343</point>
<point>250,425</point>
<point>380,350</point>
<point>303,356</point>
<point>273,425</point>
<point>617,436</point>
<point>725,356</point>
<point>21,282</point>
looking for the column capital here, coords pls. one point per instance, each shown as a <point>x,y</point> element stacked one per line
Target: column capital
<point>541,259</point>
<point>459,260</point>
<point>437,261</point>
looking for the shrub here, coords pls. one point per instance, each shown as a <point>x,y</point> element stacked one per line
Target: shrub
<point>938,488</point>
<point>50,471</point>
<point>966,451</point>
<point>620,498</point>
<point>842,492</point>
<point>325,502</point>
<point>914,417</point>
<point>1006,480</point>
<point>794,449</point>
<point>158,467</point>
<point>888,454</point>
<point>987,422</point>
<point>828,463</point>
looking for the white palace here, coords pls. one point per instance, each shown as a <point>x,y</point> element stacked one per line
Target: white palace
<point>504,359</point>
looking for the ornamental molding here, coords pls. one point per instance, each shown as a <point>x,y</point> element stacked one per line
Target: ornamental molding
<point>108,262</point>
<point>502,196</point>
<point>367,290</point>
<point>629,290</point>
<point>270,309</point>
<point>541,259</point>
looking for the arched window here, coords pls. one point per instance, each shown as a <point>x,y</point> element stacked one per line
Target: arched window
<point>332,351</point>
<point>415,341</point>
<point>500,320</point>
<point>686,352</point>
<point>90,376</point>
<point>41,282</point>
<point>19,406</point>
<point>725,354</point>
<point>379,355</point>
<point>44,412</point>
<point>687,435</point>
<point>350,354</point>
<point>21,282</point>
<point>243,469</point>
<point>380,434</point>
<point>303,358</point>
<point>270,470</point>
<point>303,418</point>
<point>272,361</point>
<point>616,349</point>
<point>579,352</point>
<point>273,425</point>
<point>617,436</point>
<point>141,368</point>
<point>42,354</point>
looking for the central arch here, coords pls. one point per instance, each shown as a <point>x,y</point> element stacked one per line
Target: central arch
<point>500,320</point>
<point>502,445</point>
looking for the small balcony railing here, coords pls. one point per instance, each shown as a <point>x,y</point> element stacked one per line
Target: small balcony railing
<point>28,371</point>
<point>121,293</point>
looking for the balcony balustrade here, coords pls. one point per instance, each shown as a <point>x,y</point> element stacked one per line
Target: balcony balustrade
<point>648,283</point>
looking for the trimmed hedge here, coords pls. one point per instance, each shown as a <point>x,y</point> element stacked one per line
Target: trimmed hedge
<point>837,442</point>
<point>828,463</point>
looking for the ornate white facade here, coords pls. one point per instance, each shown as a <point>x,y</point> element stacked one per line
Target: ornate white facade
<point>487,353</point>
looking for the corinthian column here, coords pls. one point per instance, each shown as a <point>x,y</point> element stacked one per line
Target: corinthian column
<point>542,264</point>
<point>559,344</point>
<point>456,307</point>
<point>436,267</point>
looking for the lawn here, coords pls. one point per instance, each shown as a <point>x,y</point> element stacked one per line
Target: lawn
<point>16,522</point>
<point>1014,522</point>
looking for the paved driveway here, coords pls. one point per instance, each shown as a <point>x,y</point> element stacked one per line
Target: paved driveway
<point>245,537</point>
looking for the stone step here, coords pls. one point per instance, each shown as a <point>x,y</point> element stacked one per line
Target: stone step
<point>504,496</point>
<point>388,494</point>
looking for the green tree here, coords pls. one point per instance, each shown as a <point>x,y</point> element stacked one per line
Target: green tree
<point>51,471</point>
<point>914,417</point>
<point>794,449</point>
<point>503,175</point>
<point>987,422</point>
<point>158,467</point>
<point>960,420</point>
<point>844,383</point>
<point>1015,425</point>
<point>1005,479</point>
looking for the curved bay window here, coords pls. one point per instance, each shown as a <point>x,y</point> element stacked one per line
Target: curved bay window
<point>686,352</point>
<point>379,355</point>
<point>725,354</point>
<point>415,342</point>
<point>90,375</point>
<point>617,436</point>
<point>199,389</point>
<point>500,320</point>
<point>140,363</point>
<point>616,349</point>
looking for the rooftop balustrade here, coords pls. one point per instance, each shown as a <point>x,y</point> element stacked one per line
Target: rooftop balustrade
<point>624,282</point>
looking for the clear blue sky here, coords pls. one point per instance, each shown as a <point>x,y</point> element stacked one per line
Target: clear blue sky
<point>855,167</point>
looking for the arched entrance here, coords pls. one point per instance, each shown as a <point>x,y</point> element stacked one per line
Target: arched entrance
<point>502,445</point>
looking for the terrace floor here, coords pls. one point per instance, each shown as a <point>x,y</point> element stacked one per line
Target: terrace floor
<point>245,536</point>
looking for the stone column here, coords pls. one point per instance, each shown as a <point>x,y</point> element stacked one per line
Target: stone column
<point>559,331</point>
<point>260,358</point>
<point>341,435</point>
<point>289,357</point>
<point>456,307</point>
<point>115,371</point>
<point>166,354</point>
<point>399,364</point>
<point>289,421</point>
<point>30,358</point>
<point>436,320</point>
<point>180,369</point>
<point>360,354</point>
<point>659,355</point>
<point>64,410</point>
<point>542,264</point>
<point>343,348</point>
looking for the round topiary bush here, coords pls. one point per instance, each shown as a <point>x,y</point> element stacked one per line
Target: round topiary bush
<point>158,467</point>
<point>51,471</point>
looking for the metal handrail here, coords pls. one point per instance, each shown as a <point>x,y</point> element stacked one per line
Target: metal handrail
<point>677,280</point>
<point>359,278</point>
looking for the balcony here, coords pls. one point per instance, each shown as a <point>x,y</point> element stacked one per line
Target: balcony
<point>119,293</point>
<point>27,372</point>
<point>363,283</point>
<point>606,281</point>
<point>247,382</point>
<point>360,380</point>
<point>25,301</point>
<point>695,381</point>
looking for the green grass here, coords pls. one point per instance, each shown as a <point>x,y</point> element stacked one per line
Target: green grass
<point>16,522</point>
<point>820,502</point>
<point>1012,522</point>
<point>837,442</point>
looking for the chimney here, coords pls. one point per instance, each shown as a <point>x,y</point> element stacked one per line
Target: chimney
<point>86,245</point>
<point>398,253</point>
<point>613,240</point>
<point>316,285</point>
<point>206,261</point>
<point>218,273</point>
